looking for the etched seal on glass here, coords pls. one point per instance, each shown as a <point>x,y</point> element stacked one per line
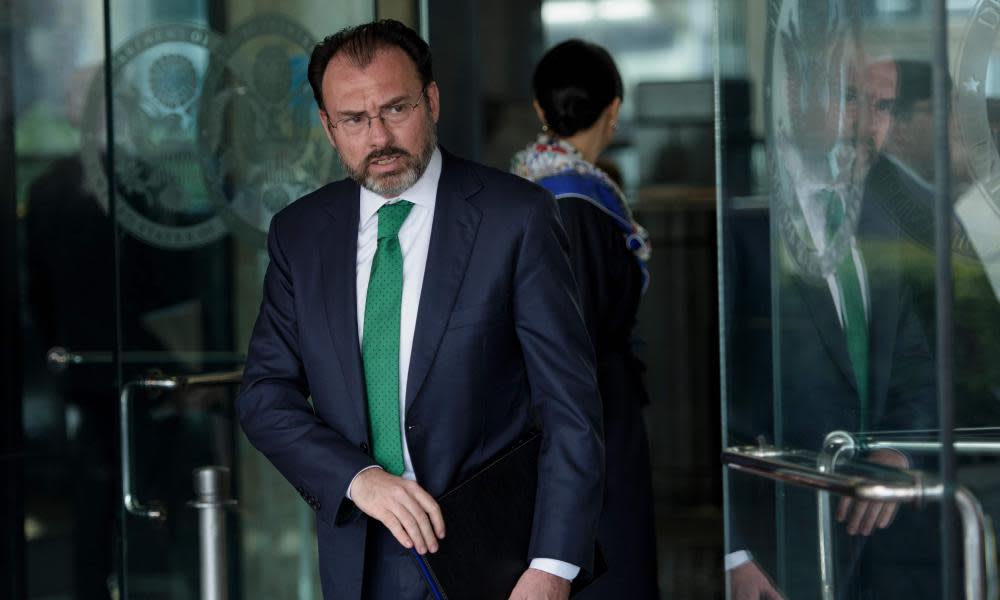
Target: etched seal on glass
<point>156,84</point>
<point>262,143</point>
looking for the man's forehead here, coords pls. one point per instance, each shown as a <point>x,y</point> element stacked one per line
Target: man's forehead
<point>880,77</point>
<point>390,73</point>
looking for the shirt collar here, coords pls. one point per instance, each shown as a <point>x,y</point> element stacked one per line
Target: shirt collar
<point>422,193</point>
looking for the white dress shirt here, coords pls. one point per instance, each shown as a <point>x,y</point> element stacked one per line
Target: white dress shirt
<point>414,241</point>
<point>817,228</point>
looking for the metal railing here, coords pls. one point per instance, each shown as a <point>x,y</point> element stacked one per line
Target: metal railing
<point>819,472</point>
<point>211,484</point>
<point>983,441</point>
<point>211,488</point>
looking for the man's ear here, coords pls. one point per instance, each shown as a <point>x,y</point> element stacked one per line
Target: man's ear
<point>433,100</point>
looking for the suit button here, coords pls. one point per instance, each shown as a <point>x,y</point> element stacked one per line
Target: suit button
<point>364,446</point>
<point>413,428</point>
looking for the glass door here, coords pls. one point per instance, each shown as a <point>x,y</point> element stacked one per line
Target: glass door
<point>833,354</point>
<point>151,143</point>
<point>215,130</point>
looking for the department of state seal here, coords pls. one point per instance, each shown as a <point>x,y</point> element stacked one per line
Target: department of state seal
<point>816,153</point>
<point>156,82</point>
<point>262,144</point>
<point>977,131</point>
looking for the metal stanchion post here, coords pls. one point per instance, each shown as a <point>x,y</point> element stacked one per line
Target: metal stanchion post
<point>211,488</point>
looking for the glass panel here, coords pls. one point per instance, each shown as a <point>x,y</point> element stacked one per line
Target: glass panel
<point>662,154</point>
<point>828,278</point>
<point>214,131</point>
<point>65,438</point>
<point>974,125</point>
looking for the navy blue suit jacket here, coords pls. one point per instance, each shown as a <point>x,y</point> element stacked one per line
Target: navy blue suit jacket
<point>500,345</point>
<point>817,393</point>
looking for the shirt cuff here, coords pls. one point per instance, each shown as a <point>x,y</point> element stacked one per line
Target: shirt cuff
<point>735,559</point>
<point>555,567</point>
<point>350,485</point>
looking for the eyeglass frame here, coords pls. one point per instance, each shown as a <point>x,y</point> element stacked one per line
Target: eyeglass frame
<point>412,107</point>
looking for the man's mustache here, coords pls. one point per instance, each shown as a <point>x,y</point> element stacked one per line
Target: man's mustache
<point>387,151</point>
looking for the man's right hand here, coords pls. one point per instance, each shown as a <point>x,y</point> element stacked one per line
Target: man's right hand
<point>749,582</point>
<point>407,511</point>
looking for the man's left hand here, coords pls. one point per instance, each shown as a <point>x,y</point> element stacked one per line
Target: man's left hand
<point>539,585</point>
<point>865,516</point>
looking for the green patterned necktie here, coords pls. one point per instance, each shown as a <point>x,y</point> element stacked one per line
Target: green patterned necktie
<point>380,346</point>
<point>853,307</point>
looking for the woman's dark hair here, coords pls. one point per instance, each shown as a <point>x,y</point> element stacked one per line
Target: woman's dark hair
<point>361,43</point>
<point>574,82</point>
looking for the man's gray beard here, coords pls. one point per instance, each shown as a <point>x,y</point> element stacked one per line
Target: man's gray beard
<point>389,187</point>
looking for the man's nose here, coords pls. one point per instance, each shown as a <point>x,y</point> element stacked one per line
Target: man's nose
<point>378,133</point>
<point>864,120</point>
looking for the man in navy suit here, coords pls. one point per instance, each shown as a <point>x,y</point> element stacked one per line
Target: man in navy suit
<point>427,307</point>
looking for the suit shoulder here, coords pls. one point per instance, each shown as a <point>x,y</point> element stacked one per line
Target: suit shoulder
<point>505,191</point>
<point>303,212</point>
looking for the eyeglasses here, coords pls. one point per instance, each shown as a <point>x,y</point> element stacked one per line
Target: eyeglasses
<point>394,114</point>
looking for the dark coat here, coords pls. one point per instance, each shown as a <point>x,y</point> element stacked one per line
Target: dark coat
<point>610,282</point>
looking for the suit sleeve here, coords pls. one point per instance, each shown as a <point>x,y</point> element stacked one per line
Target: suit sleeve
<point>559,359</point>
<point>912,392</point>
<point>273,404</point>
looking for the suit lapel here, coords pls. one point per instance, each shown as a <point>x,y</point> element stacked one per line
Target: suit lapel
<point>882,320</point>
<point>453,234</point>
<point>883,291</point>
<point>824,316</point>
<point>881,239</point>
<point>338,255</point>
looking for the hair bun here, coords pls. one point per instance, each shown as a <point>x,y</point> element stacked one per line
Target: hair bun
<point>574,82</point>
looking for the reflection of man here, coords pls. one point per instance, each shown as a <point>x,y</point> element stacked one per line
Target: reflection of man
<point>427,307</point>
<point>852,355</point>
<point>910,147</point>
<point>902,183</point>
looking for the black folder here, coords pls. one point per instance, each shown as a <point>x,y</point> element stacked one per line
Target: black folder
<point>489,518</point>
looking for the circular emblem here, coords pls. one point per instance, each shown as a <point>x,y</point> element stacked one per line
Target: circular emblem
<point>262,144</point>
<point>817,157</point>
<point>157,78</point>
<point>977,132</point>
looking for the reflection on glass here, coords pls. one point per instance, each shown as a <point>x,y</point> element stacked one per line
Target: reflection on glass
<point>838,273</point>
<point>212,127</point>
<point>830,279</point>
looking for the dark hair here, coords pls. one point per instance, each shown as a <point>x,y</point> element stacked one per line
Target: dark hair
<point>574,82</point>
<point>361,43</point>
<point>914,83</point>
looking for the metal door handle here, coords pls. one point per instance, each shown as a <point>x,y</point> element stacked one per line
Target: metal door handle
<point>973,441</point>
<point>59,359</point>
<point>132,503</point>
<point>810,470</point>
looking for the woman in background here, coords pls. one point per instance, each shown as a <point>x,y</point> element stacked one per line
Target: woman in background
<point>578,93</point>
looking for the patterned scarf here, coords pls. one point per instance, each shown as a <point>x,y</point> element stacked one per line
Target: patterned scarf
<point>550,156</point>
